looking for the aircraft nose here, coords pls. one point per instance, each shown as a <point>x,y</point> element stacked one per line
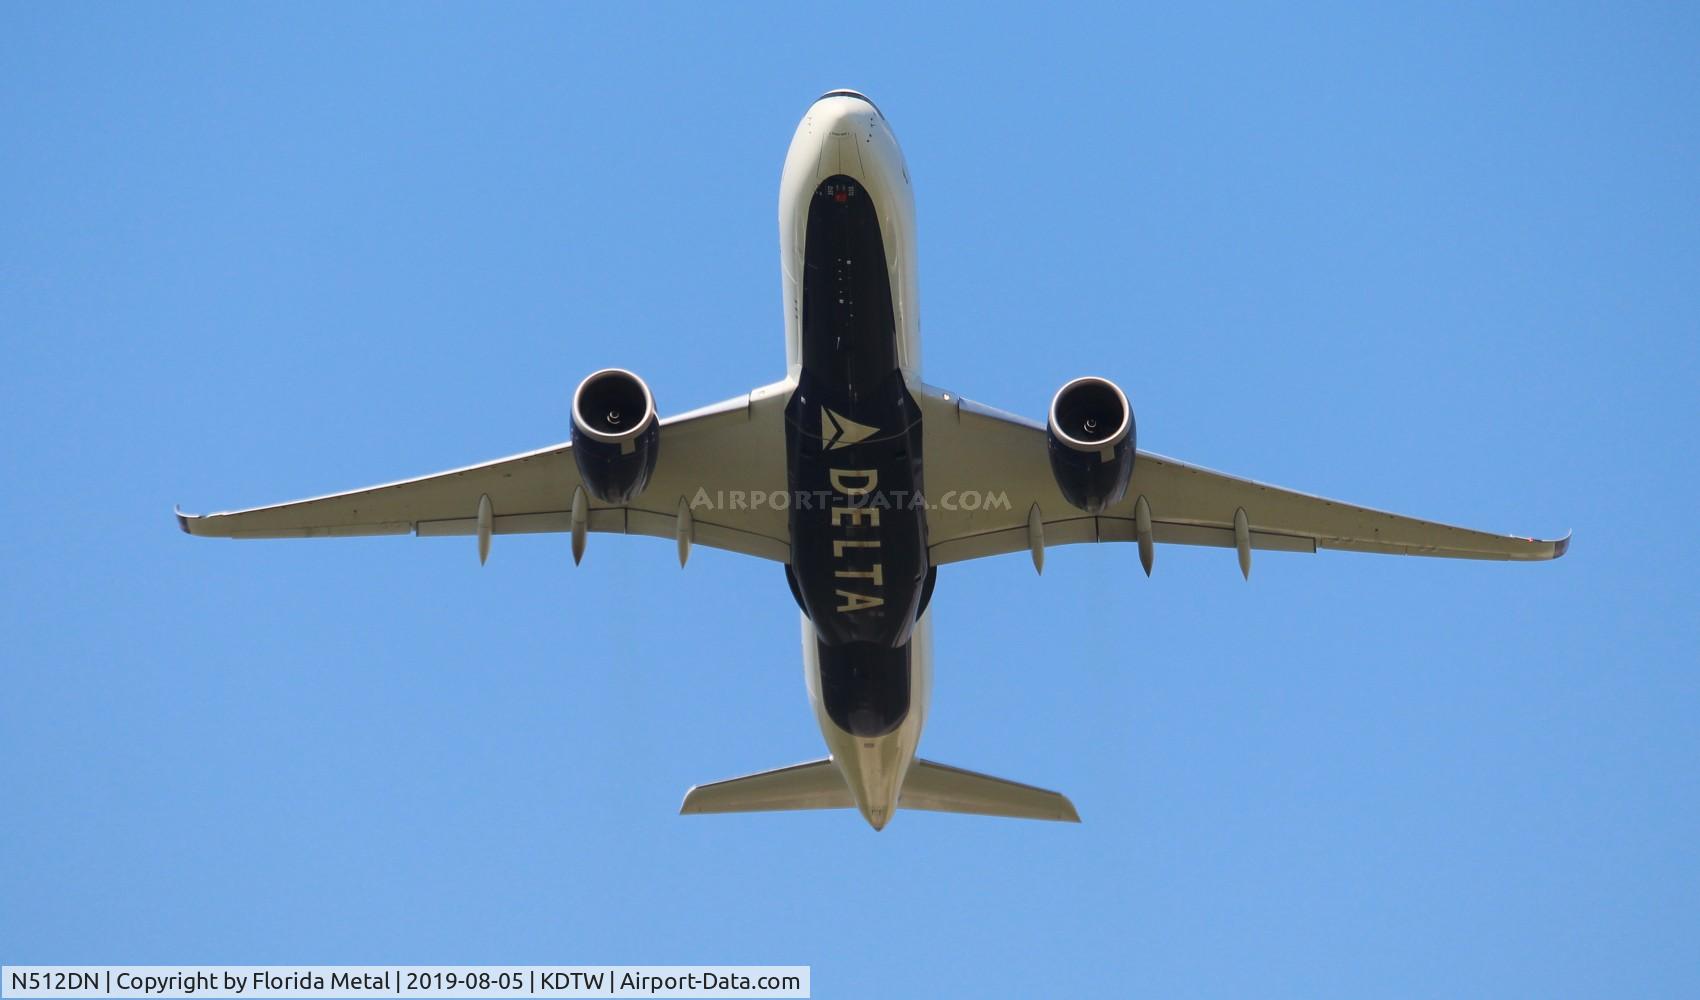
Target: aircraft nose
<point>853,95</point>
<point>844,112</point>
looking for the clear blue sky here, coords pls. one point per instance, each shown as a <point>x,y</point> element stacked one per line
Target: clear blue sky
<point>1440,262</point>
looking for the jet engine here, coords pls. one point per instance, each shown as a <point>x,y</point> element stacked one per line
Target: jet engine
<point>616,435</point>
<point>1090,437</point>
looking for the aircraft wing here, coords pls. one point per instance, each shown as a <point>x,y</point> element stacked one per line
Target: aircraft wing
<point>709,459</point>
<point>973,449</point>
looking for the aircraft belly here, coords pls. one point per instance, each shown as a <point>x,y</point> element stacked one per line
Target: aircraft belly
<point>854,456</point>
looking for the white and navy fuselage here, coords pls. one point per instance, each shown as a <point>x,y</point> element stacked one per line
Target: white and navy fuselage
<point>858,519</point>
<point>855,435</point>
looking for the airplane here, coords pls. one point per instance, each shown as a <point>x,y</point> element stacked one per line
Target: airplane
<point>860,480</point>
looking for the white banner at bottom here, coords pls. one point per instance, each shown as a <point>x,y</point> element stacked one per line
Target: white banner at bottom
<point>420,982</point>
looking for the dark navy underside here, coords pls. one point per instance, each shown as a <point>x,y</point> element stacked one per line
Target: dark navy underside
<point>853,442</point>
<point>865,687</point>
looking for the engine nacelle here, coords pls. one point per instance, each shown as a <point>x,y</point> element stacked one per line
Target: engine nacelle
<point>1089,435</point>
<point>616,435</point>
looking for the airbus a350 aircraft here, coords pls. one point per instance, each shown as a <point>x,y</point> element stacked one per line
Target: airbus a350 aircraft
<point>860,480</point>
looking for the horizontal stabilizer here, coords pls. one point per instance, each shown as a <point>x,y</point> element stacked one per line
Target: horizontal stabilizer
<point>817,784</point>
<point>939,788</point>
